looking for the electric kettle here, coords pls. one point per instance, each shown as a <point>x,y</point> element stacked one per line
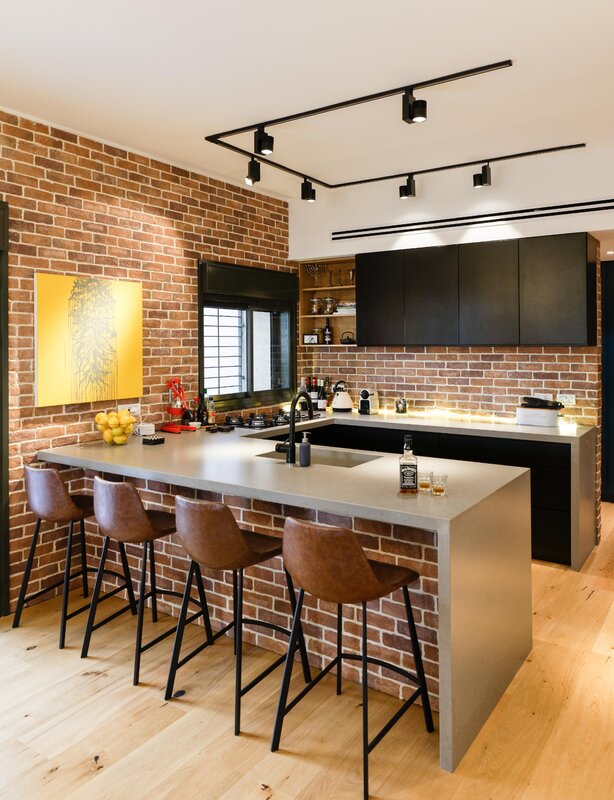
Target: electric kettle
<point>342,400</point>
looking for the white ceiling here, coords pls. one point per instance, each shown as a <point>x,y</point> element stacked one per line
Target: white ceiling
<point>157,77</point>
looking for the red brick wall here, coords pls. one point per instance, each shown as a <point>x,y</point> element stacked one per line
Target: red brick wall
<point>80,207</point>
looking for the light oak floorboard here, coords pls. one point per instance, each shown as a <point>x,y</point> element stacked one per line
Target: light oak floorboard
<point>73,729</point>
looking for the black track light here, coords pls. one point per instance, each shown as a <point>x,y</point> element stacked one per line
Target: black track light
<point>308,193</point>
<point>263,141</point>
<point>408,189</point>
<point>253,172</point>
<point>481,179</point>
<point>413,110</point>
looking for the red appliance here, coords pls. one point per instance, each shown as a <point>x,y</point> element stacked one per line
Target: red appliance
<point>175,408</point>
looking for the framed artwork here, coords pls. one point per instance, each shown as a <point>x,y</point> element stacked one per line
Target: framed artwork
<point>310,338</point>
<point>88,339</point>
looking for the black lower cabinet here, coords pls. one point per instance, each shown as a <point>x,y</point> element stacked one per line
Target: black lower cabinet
<point>550,465</point>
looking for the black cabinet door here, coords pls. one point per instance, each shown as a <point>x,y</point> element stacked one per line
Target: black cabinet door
<point>558,301</point>
<point>380,298</point>
<point>431,295</point>
<point>488,293</point>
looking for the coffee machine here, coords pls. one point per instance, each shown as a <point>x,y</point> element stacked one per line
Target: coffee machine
<point>368,402</point>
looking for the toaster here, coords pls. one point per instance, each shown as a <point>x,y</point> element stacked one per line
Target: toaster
<point>368,402</point>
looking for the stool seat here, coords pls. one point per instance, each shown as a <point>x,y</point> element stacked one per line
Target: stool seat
<point>163,522</point>
<point>391,577</point>
<point>84,505</point>
<point>262,546</point>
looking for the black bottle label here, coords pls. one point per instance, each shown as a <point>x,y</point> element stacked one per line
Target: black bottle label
<point>409,476</point>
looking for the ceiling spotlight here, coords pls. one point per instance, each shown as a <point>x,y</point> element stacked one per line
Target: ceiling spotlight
<point>481,179</point>
<point>308,193</point>
<point>408,189</point>
<point>263,142</point>
<point>413,110</point>
<point>253,172</point>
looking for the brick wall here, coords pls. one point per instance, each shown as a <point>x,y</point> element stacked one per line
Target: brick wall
<point>80,207</point>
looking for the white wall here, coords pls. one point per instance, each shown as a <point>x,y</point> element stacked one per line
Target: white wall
<point>567,177</point>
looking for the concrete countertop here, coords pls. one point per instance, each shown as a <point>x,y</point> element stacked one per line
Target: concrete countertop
<point>228,463</point>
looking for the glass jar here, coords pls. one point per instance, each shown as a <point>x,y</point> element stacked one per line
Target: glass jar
<point>319,332</point>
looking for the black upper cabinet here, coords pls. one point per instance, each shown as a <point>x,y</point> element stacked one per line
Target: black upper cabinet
<point>431,295</point>
<point>488,293</point>
<point>558,286</point>
<point>380,301</point>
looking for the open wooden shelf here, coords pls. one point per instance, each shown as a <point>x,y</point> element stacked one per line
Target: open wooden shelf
<point>337,272</point>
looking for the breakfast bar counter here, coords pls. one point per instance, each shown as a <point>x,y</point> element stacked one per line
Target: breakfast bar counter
<point>471,547</point>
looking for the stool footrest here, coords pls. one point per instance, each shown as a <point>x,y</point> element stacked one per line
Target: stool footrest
<point>271,668</point>
<point>312,683</point>
<point>202,646</point>
<point>264,624</point>
<point>394,719</point>
<point>112,616</point>
<point>386,664</point>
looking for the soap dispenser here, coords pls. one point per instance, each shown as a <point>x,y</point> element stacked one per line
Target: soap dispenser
<point>304,451</point>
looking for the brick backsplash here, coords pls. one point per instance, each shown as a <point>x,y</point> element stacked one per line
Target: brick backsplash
<point>80,207</point>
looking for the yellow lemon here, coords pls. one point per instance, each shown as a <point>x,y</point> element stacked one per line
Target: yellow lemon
<point>132,419</point>
<point>117,430</point>
<point>101,418</point>
<point>108,435</point>
<point>129,429</point>
<point>102,428</point>
<point>120,439</point>
<point>113,421</point>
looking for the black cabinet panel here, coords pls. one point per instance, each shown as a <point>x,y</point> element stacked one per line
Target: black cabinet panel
<point>380,301</point>
<point>551,535</point>
<point>383,440</point>
<point>557,290</point>
<point>488,292</point>
<point>431,295</point>
<point>513,452</point>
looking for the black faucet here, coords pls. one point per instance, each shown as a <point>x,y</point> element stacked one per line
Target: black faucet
<point>291,454</point>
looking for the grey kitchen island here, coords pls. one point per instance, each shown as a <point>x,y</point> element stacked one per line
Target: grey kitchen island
<point>471,547</point>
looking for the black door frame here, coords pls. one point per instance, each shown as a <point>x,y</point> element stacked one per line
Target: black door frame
<point>4,410</point>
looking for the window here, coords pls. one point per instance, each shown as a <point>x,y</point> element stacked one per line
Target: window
<point>247,342</point>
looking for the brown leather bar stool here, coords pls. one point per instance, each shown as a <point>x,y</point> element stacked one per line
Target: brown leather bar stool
<point>330,564</point>
<point>210,535</point>
<point>121,516</point>
<point>49,500</point>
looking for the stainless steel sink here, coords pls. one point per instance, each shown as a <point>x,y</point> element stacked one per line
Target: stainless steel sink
<point>331,457</point>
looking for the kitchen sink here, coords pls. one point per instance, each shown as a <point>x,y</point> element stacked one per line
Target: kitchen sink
<point>330,457</point>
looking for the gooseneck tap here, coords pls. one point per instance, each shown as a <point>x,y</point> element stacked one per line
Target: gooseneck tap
<point>291,454</point>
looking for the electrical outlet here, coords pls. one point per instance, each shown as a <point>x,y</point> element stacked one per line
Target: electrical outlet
<point>133,408</point>
<point>567,399</point>
<point>542,395</point>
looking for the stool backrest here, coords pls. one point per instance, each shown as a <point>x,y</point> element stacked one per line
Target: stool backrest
<point>209,533</point>
<point>328,563</point>
<point>120,513</point>
<point>48,496</point>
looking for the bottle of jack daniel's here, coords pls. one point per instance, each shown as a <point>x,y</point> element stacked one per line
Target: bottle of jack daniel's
<point>408,469</point>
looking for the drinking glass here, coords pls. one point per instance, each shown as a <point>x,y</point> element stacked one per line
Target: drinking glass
<point>439,483</point>
<point>424,482</point>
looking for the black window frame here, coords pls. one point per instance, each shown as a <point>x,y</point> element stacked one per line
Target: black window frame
<point>228,294</point>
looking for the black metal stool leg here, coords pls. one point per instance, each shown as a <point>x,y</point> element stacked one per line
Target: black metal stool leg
<point>239,655</point>
<point>128,578</point>
<point>66,587</point>
<point>170,683</point>
<point>91,618</point>
<point>152,583</point>
<point>141,613</point>
<point>203,602</point>
<point>234,609</point>
<point>285,683</point>
<point>415,644</point>
<point>365,707</point>
<point>339,646</point>
<point>301,637</point>
<point>83,559</point>
<point>26,575</point>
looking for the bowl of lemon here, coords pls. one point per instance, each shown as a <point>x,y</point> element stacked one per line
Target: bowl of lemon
<point>116,426</point>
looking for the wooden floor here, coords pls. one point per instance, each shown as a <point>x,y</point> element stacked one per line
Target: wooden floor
<point>78,729</point>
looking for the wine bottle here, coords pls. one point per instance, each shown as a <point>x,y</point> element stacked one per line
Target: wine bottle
<point>313,393</point>
<point>321,396</point>
<point>328,333</point>
<point>408,468</point>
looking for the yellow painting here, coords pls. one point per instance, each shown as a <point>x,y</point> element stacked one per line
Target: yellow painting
<point>89,339</point>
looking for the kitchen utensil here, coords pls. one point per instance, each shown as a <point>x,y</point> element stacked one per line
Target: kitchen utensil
<point>342,400</point>
<point>347,337</point>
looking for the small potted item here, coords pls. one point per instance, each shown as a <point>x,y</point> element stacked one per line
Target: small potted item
<point>329,306</point>
<point>316,305</point>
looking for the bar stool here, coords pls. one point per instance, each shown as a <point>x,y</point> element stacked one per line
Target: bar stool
<point>211,536</point>
<point>330,564</point>
<point>49,500</point>
<point>122,517</point>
